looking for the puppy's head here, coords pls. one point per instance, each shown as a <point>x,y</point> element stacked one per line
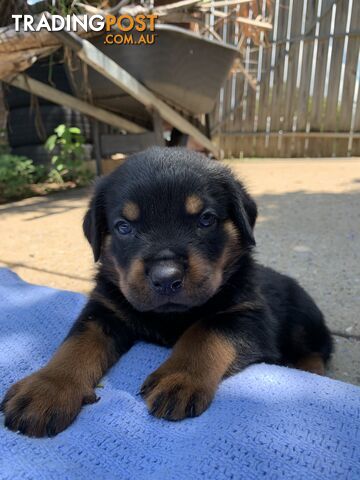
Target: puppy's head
<point>171,226</point>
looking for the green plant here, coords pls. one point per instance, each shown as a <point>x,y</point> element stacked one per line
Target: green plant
<point>62,7</point>
<point>68,160</point>
<point>16,175</point>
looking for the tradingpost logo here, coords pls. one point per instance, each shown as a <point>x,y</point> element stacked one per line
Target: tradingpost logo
<point>126,24</point>
<point>128,29</point>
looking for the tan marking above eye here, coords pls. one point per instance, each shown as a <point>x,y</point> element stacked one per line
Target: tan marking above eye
<point>193,204</point>
<point>131,211</point>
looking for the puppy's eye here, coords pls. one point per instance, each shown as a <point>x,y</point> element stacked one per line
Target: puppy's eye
<point>207,219</point>
<point>123,227</point>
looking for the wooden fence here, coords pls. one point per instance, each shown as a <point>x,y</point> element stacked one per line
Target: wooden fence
<point>306,102</point>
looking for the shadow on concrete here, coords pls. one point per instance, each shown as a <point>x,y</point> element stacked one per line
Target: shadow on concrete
<point>48,205</point>
<point>13,265</point>
<point>315,237</point>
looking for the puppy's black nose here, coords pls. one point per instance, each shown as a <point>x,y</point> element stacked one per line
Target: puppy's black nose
<point>166,278</point>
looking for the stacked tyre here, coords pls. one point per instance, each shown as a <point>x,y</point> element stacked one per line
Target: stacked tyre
<point>29,125</point>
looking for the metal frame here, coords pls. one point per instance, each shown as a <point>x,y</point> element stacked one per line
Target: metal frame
<point>100,62</point>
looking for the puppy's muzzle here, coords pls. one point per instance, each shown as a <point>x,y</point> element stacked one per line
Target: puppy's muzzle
<point>166,277</point>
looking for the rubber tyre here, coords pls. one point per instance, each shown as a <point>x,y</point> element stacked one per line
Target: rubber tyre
<point>21,125</point>
<point>15,97</point>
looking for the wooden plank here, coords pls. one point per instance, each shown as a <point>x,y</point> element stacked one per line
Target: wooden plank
<point>219,13</point>
<point>236,122</point>
<point>53,95</point>
<point>12,63</point>
<point>217,115</point>
<point>250,112</point>
<point>331,109</point>
<point>317,110</point>
<point>290,90</point>
<point>346,106</point>
<point>263,107</point>
<point>316,115</point>
<point>264,98</point>
<point>223,3</point>
<point>252,106</point>
<point>303,100</point>
<point>278,74</point>
<point>178,5</point>
<point>327,135</point>
<point>284,101</point>
<point>247,104</point>
<point>261,24</point>
<point>246,109</point>
<point>264,93</point>
<point>12,41</point>
<point>136,9</point>
<point>243,88</point>
<point>233,144</point>
<point>227,34</point>
<point>356,142</point>
<point>282,55</point>
<point>258,60</point>
<point>227,31</point>
<point>92,56</point>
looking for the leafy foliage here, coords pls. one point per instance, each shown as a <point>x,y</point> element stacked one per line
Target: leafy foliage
<point>16,174</point>
<point>62,7</point>
<point>68,160</point>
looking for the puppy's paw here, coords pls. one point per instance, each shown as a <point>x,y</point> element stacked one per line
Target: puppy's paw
<point>175,395</point>
<point>43,404</point>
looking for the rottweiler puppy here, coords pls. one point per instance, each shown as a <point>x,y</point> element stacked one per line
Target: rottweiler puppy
<point>172,233</point>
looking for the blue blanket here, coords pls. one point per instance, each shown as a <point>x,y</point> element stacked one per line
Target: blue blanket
<point>266,422</point>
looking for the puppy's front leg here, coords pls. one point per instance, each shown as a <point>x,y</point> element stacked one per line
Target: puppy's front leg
<point>47,401</point>
<point>185,384</point>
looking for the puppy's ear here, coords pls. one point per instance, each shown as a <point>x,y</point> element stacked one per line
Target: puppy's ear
<point>243,211</point>
<point>95,222</point>
<point>249,204</point>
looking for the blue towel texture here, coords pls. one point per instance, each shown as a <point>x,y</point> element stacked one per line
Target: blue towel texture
<point>266,422</point>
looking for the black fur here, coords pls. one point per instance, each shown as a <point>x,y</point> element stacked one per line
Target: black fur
<point>252,306</point>
<point>286,328</point>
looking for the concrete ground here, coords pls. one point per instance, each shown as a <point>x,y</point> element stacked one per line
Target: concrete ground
<point>308,227</point>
